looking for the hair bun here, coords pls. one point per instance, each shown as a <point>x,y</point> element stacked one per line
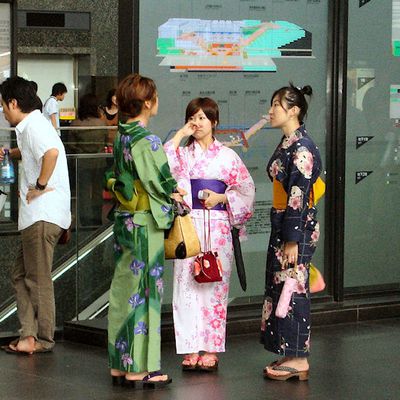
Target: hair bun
<point>306,90</point>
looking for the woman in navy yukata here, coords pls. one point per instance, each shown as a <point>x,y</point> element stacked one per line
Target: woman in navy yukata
<point>293,168</point>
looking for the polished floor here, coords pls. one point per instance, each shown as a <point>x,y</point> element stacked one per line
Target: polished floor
<point>348,362</point>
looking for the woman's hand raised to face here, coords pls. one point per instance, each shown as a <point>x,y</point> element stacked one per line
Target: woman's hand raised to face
<point>187,130</point>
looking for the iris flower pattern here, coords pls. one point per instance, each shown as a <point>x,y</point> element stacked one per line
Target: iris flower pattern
<point>157,271</point>
<point>121,345</point>
<point>137,266</point>
<point>136,300</point>
<point>141,328</point>
<point>155,142</point>
<point>126,360</point>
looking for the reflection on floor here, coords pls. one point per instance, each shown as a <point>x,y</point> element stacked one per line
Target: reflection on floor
<point>349,362</point>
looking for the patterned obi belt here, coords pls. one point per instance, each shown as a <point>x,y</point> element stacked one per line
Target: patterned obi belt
<point>212,184</point>
<point>280,197</point>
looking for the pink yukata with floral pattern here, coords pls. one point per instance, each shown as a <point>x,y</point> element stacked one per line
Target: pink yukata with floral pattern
<point>199,309</point>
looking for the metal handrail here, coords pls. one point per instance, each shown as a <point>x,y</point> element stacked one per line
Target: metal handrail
<point>65,266</point>
<point>69,128</point>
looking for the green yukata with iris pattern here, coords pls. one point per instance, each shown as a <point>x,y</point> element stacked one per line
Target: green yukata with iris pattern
<point>134,317</point>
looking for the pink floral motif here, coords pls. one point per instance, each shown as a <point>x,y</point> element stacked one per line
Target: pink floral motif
<point>218,341</point>
<point>221,242</point>
<point>243,172</point>
<point>232,177</point>
<point>279,254</point>
<point>301,267</point>
<point>304,161</point>
<point>219,311</point>
<point>307,344</point>
<point>206,312</point>
<point>295,198</point>
<point>301,289</point>
<point>295,202</point>
<point>213,148</point>
<point>288,141</point>
<point>223,227</point>
<point>276,279</point>
<point>315,235</point>
<point>275,168</point>
<point>266,312</point>
<point>215,323</point>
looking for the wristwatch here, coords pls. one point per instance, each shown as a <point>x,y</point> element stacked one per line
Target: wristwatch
<point>38,186</point>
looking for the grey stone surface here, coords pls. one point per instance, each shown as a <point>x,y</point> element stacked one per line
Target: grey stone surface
<point>102,39</point>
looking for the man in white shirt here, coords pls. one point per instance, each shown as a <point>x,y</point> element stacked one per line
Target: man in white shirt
<point>44,212</point>
<point>50,107</point>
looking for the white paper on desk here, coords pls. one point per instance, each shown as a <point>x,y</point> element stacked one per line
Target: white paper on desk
<point>3,198</point>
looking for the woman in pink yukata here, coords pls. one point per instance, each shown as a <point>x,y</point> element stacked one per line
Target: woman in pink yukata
<point>204,163</point>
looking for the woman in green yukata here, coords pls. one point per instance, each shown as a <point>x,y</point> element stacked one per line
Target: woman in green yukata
<point>142,183</point>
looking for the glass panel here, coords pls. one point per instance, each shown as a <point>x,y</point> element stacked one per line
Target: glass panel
<point>83,268</point>
<point>372,145</point>
<point>8,236</point>
<point>196,48</point>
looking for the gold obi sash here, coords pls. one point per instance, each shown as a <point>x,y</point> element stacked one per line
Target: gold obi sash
<point>140,199</point>
<point>280,198</point>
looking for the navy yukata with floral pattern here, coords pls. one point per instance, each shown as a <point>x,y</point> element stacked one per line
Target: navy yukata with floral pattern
<point>296,164</point>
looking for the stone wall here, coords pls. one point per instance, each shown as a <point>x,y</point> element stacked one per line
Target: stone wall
<point>101,42</point>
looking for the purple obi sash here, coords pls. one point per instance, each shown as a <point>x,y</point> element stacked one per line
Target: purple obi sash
<point>213,184</point>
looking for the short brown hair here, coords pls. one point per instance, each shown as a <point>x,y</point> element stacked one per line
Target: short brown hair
<point>132,92</point>
<point>208,106</point>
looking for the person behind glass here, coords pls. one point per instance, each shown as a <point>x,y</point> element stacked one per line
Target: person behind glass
<point>39,104</point>
<point>89,114</point>
<point>110,110</point>
<point>199,309</point>
<point>293,168</point>
<point>50,107</point>
<point>43,214</point>
<point>142,182</point>
<point>90,141</point>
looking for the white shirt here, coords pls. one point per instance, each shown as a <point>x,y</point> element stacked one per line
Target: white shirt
<point>51,107</point>
<point>35,136</point>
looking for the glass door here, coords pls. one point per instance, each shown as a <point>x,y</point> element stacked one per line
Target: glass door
<point>372,253</point>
